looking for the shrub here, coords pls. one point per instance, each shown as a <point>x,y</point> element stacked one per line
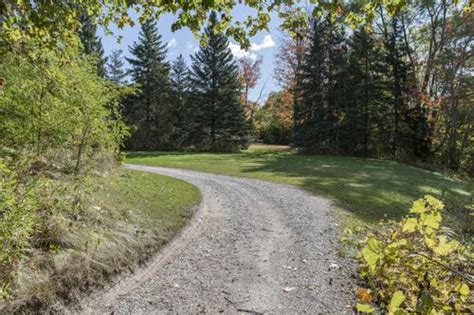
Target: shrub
<point>415,266</point>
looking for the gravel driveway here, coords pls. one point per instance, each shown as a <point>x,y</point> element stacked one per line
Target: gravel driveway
<point>252,247</point>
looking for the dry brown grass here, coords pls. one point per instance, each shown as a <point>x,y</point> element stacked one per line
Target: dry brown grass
<point>126,220</point>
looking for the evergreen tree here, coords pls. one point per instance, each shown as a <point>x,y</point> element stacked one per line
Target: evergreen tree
<point>316,113</point>
<point>92,44</point>
<point>217,120</point>
<point>115,68</point>
<point>180,85</point>
<point>398,78</point>
<point>180,76</point>
<point>149,110</point>
<point>364,120</point>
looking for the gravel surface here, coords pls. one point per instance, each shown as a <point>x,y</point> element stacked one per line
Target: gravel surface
<point>252,247</point>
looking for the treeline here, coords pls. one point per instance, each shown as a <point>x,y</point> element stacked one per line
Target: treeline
<point>176,107</point>
<point>399,88</point>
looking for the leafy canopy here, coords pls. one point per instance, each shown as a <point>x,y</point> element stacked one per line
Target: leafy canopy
<point>45,21</point>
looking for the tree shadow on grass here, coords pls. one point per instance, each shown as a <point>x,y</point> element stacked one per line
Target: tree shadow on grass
<point>371,189</point>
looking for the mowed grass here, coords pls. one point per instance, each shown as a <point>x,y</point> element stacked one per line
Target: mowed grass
<point>369,189</point>
<point>153,202</point>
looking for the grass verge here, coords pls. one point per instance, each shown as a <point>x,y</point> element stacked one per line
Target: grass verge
<point>128,216</point>
<point>367,189</point>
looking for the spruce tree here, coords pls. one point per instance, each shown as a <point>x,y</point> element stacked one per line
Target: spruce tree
<point>217,121</point>
<point>115,68</point>
<point>180,85</point>
<point>180,76</point>
<point>149,110</point>
<point>92,44</point>
<point>316,120</point>
<point>365,104</point>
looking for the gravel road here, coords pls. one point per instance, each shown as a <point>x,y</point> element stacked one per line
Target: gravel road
<point>252,247</point>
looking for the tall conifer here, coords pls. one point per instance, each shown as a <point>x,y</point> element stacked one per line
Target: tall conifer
<point>149,110</point>
<point>218,122</point>
<point>115,68</point>
<point>319,81</point>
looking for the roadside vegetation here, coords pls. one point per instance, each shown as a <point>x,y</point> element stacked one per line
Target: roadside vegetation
<point>124,218</point>
<point>415,265</point>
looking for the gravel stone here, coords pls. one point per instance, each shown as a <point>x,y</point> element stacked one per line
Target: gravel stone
<point>252,246</point>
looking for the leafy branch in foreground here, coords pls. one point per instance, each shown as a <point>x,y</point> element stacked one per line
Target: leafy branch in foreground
<point>46,21</point>
<point>414,266</point>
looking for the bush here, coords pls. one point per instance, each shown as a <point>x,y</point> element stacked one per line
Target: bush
<point>60,128</point>
<point>415,266</point>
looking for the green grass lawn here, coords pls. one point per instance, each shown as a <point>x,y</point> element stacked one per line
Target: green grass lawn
<point>153,202</point>
<point>367,188</point>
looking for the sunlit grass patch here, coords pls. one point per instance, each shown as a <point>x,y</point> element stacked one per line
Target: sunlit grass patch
<point>370,189</point>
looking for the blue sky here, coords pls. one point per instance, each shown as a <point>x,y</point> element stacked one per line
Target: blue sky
<point>264,45</point>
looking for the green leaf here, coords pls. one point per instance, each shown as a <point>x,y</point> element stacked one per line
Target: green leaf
<point>425,303</point>
<point>370,257</point>
<point>365,308</point>
<point>397,299</point>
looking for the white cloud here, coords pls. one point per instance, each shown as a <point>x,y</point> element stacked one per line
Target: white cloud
<point>239,52</point>
<point>189,45</point>
<point>266,43</point>
<point>172,43</point>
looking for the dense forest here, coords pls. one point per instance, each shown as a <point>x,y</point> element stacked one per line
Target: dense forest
<point>399,88</point>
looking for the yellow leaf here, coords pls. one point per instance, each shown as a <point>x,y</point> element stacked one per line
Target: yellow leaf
<point>365,308</point>
<point>410,225</point>
<point>464,290</point>
<point>434,203</point>
<point>444,246</point>
<point>397,299</point>
<point>370,257</point>
<point>374,245</point>
<point>418,206</point>
<point>430,242</point>
<point>432,220</point>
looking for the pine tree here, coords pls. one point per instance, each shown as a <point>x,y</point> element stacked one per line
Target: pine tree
<point>115,68</point>
<point>149,110</point>
<point>218,122</point>
<point>92,44</point>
